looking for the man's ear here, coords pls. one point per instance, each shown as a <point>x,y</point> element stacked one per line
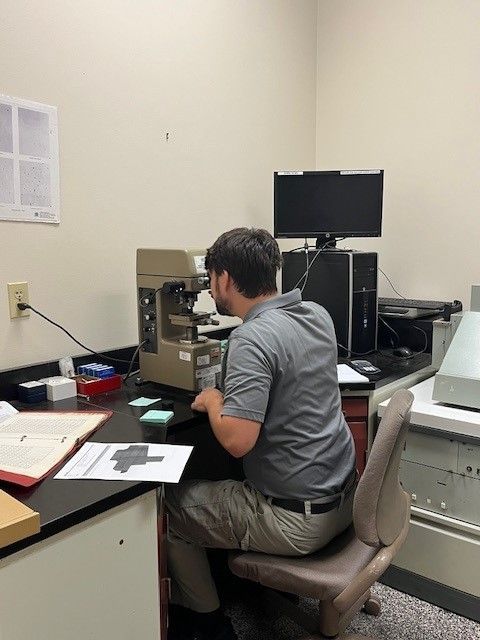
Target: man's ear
<point>225,280</point>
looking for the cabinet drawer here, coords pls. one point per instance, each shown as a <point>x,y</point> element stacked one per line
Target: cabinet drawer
<point>355,407</point>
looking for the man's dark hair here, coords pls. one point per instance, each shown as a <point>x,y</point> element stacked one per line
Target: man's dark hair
<point>250,256</point>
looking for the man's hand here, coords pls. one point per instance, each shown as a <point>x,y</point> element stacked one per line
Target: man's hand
<point>206,399</point>
<point>237,435</point>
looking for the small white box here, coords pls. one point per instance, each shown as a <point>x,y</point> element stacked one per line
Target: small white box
<point>59,388</point>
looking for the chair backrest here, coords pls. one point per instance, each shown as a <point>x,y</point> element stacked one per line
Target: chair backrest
<point>381,506</point>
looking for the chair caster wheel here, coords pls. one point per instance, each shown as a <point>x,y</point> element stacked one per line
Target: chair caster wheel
<point>372,606</point>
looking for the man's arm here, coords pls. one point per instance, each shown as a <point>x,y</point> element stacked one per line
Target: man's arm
<point>237,435</point>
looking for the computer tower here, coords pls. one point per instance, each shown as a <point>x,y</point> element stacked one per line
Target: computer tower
<point>345,283</point>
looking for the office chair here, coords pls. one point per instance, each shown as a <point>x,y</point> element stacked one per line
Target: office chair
<point>340,575</point>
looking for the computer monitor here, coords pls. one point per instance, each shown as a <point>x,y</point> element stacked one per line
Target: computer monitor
<point>328,204</point>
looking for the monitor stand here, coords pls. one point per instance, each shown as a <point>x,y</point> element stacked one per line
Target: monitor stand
<point>322,241</point>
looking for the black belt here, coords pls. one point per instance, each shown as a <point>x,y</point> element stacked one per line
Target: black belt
<point>298,506</point>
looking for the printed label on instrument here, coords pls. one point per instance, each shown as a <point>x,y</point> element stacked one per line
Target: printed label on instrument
<point>207,382</point>
<point>356,172</point>
<point>202,360</point>
<point>289,173</point>
<point>208,371</point>
<point>199,263</point>
<point>185,355</point>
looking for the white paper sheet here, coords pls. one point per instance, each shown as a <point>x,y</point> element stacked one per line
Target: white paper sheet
<point>127,461</point>
<point>29,168</point>
<point>347,374</point>
<point>6,410</point>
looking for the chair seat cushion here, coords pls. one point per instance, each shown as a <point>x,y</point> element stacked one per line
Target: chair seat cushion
<point>322,575</point>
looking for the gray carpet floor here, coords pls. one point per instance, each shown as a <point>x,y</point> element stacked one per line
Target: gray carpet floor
<point>403,617</point>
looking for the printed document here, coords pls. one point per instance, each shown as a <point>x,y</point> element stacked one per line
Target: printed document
<point>127,461</point>
<point>347,374</point>
<point>29,167</point>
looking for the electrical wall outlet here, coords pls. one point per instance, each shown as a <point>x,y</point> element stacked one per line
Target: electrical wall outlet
<point>18,292</point>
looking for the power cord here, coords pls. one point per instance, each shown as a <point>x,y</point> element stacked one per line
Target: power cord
<point>23,306</point>
<point>391,329</point>
<point>415,353</point>
<point>302,248</point>
<point>130,372</point>
<point>307,258</point>
<point>356,353</point>
<point>310,264</point>
<point>391,284</point>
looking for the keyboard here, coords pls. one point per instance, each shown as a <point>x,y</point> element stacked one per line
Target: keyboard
<point>409,303</point>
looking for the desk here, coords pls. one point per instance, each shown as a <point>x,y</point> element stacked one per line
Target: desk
<point>440,559</point>
<point>55,574</point>
<point>93,570</point>
<point>360,401</point>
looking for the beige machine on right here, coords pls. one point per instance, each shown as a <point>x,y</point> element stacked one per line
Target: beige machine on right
<point>440,467</point>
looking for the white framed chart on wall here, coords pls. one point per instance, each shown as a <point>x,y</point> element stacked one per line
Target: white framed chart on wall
<point>29,167</point>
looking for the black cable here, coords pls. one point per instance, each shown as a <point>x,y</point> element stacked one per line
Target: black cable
<point>306,272</point>
<point>307,259</point>
<point>134,373</point>
<point>322,248</point>
<point>394,358</point>
<point>390,283</point>
<point>311,246</point>
<point>128,374</point>
<point>417,353</point>
<point>391,329</point>
<point>23,306</point>
<point>355,353</point>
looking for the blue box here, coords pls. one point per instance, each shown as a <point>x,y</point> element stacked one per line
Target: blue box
<point>32,391</point>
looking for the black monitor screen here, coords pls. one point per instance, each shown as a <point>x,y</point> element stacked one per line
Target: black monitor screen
<point>313,204</point>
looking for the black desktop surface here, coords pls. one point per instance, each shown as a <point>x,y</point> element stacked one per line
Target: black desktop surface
<point>391,369</point>
<point>65,503</point>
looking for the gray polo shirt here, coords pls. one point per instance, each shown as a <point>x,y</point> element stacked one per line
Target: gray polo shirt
<point>281,371</point>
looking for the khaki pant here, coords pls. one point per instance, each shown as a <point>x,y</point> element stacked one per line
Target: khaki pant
<point>232,515</point>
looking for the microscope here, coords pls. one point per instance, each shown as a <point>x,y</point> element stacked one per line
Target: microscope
<point>173,353</point>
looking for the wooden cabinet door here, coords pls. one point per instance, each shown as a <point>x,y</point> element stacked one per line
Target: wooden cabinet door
<point>355,411</point>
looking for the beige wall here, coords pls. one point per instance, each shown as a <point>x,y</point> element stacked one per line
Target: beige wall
<point>233,82</point>
<point>398,88</point>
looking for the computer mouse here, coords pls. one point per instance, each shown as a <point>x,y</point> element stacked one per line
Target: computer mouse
<point>403,352</point>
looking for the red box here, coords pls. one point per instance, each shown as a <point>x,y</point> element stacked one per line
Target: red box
<point>90,386</point>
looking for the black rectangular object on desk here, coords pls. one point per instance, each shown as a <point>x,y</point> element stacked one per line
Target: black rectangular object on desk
<point>345,283</point>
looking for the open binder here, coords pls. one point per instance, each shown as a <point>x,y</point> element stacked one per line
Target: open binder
<point>33,443</point>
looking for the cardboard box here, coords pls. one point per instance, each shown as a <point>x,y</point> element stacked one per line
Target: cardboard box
<point>17,521</point>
